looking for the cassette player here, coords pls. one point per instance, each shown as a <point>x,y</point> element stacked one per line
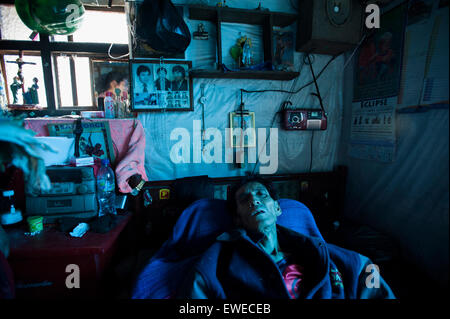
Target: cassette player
<point>72,194</point>
<point>304,119</point>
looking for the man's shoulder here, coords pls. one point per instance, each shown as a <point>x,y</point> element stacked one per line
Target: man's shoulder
<point>337,254</point>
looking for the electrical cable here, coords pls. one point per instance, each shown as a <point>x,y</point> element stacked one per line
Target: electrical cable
<point>311,151</point>
<point>132,31</point>
<point>298,90</point>
<point>315,84</point>
<point>280,109</point>
<point>283,105</point>
<point>116,57</point>
<point>354,51</point>
<point>293,6</point>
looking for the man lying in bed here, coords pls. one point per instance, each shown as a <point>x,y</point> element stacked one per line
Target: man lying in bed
<point>260,259</point>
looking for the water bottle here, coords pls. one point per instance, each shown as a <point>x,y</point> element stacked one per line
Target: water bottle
<point>106,190</point>
<point>109,105</point>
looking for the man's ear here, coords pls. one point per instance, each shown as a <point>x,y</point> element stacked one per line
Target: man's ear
<point>277,208</point>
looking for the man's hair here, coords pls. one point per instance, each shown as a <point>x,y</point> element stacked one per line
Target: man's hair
<point>179,68</point>
<point>112,76</point>
<point>231,200</point>
<point>142,68</point>
<point>161,69</point>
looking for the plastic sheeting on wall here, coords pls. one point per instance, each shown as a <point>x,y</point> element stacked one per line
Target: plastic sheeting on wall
<point>223,97</point>
<point>407,199</point>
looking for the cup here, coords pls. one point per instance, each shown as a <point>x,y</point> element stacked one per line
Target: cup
<point>35,223</point>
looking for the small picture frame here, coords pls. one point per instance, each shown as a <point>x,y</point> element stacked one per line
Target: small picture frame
<point>161,85</point>
<point>243,121</point>
<point>109,76</point>
<point>95,140</point>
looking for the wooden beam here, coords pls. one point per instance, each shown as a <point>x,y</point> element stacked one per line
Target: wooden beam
<point>78,47</point>
<point>46,57</point>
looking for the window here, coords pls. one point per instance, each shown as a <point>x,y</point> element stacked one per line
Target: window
<point>75,91</point>
<point>62,65</point>
<point>101,27</point>
<point>11,27</point>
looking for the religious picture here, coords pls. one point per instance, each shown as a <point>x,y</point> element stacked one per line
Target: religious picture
<point>283,50</point>
<point>242,129</point>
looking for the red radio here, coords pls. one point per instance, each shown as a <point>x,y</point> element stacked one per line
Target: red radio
<point>304,119</point>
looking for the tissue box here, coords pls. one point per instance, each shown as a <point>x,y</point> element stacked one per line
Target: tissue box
<point>92,114</point>
<point>61,149</point>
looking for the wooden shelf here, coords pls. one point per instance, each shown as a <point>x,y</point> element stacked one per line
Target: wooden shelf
<point>225,14</point>
<point>261,75</point>
<point>267,19</point>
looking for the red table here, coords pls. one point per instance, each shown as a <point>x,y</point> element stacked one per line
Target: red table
<point>39,262</point>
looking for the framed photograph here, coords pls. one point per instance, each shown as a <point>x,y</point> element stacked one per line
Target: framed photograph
<point>112,76</point>
<point>95,140</point>
<point>246,122</point>
<point>283,50</point>
<point>161,86</point>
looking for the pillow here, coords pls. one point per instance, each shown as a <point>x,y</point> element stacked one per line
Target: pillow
<point>200,223</point>
<point>297,217</point>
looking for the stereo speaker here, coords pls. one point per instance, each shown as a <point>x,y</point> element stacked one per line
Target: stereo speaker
<point>328,26</point>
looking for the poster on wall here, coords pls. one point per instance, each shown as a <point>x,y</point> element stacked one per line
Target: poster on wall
<point>379,60</point>
<point>435,83</point>
<point>373,130</point>
<point>425,67</point>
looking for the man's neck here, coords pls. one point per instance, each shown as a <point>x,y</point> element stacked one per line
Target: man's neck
<point>269,243</point>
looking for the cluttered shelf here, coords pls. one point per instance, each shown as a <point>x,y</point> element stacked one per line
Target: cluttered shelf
<point>122,140</point>
<point>270,66</point>
<point>226,14</point>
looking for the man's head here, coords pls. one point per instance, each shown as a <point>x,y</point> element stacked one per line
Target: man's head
<point>143,72</point>
<point>178,72</point>
<point>162,72</point>
<point>113,80</point>
<point>253,203</point>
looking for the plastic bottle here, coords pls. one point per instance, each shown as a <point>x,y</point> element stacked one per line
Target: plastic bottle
<point>109,106</point>
<point>2,93</point>
<point>106,190</point>
<point>9,214</point>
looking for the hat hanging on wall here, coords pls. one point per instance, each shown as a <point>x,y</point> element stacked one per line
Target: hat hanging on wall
<point>161,26</point>
<point>60,17</point>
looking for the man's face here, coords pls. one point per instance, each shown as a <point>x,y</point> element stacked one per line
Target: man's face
<point>162,74</point>
<point>177,76</point>
<point>256,210</point>
<point>144,77</point>
<point>123,85</point>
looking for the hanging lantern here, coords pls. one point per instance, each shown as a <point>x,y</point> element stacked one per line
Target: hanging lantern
<point>61,17</point>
